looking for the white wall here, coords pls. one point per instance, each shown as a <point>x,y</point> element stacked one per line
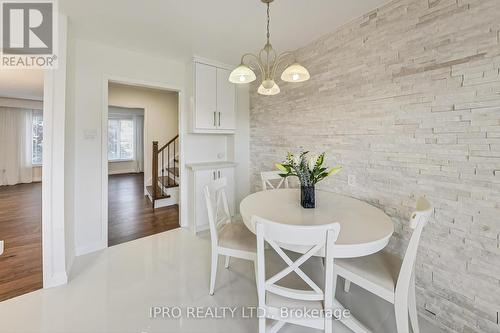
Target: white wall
<point>21,103</point>
<point>407,100</point>
<point>92,63</point>
<point>161,118</point>
<point>69,160</point>
<point>54,191</point>
<point>239,145</point>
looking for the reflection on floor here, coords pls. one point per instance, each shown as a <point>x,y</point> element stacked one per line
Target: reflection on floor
<point>130,213</point>
<point>113,291</point>
<point>20,228</point>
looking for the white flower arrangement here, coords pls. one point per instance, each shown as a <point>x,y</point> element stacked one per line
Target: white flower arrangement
<point>309,170</point>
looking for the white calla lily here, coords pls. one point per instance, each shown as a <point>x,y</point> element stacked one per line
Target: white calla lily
<point>297,159</point>
<point>312,162</point>
<point>309,169</point>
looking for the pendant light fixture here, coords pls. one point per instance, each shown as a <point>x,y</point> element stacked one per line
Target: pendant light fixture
<point>269,63</point>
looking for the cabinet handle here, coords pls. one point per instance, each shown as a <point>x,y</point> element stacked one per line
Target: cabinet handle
<point>218,173</point>
<point>219,118</point>
<point>215,177</point>
<point>215,117</point>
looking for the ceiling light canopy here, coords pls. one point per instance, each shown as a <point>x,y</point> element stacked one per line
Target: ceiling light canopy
<point>269,63</point>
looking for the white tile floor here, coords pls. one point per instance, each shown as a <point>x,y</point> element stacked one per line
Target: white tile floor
<point>113,291</point>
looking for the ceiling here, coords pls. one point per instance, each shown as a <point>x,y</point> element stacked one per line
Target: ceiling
<point>217,29</point>
<point>21,83</point>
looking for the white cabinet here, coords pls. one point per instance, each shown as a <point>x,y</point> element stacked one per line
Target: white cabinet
<point>206,96</point>
<point>202,175</point>
<point>214,100</point>
<point>226,100</point>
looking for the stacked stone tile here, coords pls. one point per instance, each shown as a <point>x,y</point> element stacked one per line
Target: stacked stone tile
<point>407,98</point>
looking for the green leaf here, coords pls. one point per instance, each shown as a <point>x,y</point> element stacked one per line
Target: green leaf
<point>281,167</point>
<point>320,160</point>
<point>334,171</point>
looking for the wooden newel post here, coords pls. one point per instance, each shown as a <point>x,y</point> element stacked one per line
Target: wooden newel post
<point>154,172</point>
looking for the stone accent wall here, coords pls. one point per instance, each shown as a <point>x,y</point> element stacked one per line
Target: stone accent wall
<point>407,99</point>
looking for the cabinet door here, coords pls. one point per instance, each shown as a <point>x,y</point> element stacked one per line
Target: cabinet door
<point>226,101</point>
<point>228,173</point>
<point>202,178</point>
<point>206,96</point>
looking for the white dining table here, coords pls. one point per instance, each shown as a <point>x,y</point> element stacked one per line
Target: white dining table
<point>364,229</point>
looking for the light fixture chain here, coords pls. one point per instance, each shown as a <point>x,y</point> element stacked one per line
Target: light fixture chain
<point>268,22</point>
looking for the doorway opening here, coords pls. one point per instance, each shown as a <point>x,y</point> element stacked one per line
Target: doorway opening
<point>21,150</point>
<point>142,161</point>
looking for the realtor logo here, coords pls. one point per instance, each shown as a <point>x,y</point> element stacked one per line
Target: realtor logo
<point>28,30</point>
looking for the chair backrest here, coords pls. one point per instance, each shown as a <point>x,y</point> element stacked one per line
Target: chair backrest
<point>418,220</point>
<point>217,207</point>
<point>315,238</point>
<point>269,176</point>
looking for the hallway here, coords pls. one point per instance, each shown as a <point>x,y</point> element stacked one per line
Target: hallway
<point>130,212</point>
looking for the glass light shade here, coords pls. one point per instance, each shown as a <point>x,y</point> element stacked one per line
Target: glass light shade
<point>274,90</point>
<point>295,73</point>
<point>242,74</point>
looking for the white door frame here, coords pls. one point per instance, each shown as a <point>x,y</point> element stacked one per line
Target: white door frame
<point>53,232</point>
<point>104,143</point>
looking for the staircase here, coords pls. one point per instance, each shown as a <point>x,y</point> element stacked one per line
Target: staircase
<point>164,187</point>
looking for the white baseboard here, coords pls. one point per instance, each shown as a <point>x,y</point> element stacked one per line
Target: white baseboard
<point>55,280</point>
<point>121,172</point>
<point>89,248</point>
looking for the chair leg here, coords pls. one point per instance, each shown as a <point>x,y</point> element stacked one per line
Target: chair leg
<point>329,325</point>
<point>334,284</point>
<point>227,262</point>
<point>213,271</point>
<point>262,324</point>
<point>401,310</point>
<point>347,285</point>
<point>412,308</point>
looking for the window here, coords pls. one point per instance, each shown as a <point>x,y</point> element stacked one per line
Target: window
<point>120,139</point>
<point>37,137</point>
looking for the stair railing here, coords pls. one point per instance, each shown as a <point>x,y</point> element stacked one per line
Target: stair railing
<point>168,170</point>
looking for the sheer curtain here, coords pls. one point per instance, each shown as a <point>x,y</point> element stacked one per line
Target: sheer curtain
<point>139,142</point>
<point>15,146</point>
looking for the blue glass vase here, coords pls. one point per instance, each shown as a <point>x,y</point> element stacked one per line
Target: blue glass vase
<point>307,196</point>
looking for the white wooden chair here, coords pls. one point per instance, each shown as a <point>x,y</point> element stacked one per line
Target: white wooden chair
<point>268,177</point>
<point>292,287</point>
<point>388,276</point>
<point>229,239</point>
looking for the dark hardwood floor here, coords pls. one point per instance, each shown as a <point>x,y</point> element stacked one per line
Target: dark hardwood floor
<point>130,213</point>
<point>21,229</point>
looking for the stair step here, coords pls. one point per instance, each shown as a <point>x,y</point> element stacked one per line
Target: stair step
<point>172,170</point>
<point>159,195</point>
<point>167,182</point>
